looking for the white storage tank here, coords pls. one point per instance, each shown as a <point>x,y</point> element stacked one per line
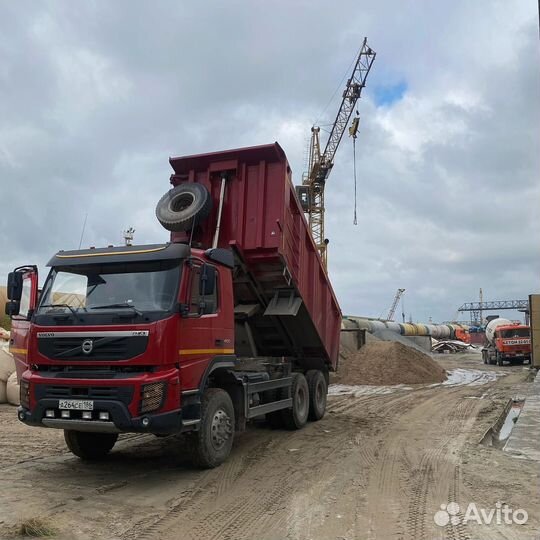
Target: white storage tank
<point>492,326</point>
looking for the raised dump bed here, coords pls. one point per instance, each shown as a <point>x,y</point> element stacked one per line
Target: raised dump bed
<point>280,283</point>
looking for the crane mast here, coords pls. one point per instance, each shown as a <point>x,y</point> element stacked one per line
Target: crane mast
<point>399,293</point>
<point>311,192</point>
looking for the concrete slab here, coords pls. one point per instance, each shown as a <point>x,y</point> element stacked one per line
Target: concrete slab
<point>524,441</point>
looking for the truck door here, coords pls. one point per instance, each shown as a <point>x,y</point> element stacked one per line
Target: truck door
<point>22,292</point>
<point>207,330</point>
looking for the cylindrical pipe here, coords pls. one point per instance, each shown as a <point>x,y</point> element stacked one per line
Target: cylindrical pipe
<point>220,209</point>
<point>437,331</point>
<point>393,326</point>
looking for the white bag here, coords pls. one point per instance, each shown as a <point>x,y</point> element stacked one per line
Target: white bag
<point>12,389</point>
<point>7,364</point>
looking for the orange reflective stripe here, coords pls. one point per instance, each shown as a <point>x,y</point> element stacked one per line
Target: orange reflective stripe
<point>205,351</point>
<point>18,351</point>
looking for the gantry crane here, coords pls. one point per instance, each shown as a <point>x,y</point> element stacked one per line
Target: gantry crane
<point>311,192</point>
<point>399,293</point>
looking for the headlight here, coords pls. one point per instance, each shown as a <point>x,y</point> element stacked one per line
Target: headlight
<point>24,393</point>
<point>152,396</point>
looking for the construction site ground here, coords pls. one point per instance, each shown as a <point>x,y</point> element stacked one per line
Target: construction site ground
<point>378,466</point>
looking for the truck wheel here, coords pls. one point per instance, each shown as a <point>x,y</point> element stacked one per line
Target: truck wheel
<point>181,206</point>
<point>212,443</point>
<point>89,446</point>
<point>317,394</point>
<point>296,417</point>
<point>484,357</point>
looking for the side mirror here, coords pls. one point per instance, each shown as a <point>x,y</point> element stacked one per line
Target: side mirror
<point>14,285</point>
<point>13,307</point>
<point>207,285</point>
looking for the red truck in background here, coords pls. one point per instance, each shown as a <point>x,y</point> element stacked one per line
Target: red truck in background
<point>506,341</point>
<point>233,319</point>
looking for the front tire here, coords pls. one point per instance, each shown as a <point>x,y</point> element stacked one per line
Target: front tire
<point>296,417</point>
<point>90,446</point>
<point>318,391</point>
<point>212,443</point>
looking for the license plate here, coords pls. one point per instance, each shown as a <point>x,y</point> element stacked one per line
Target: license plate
<point>76,404</point>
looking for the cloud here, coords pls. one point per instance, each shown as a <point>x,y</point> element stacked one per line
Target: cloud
<point>95,97</point>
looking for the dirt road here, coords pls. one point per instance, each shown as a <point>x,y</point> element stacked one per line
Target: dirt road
<point>377,466</point>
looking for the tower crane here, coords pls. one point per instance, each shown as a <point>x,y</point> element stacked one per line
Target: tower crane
<point>311,192</point>
<point>399,293</point>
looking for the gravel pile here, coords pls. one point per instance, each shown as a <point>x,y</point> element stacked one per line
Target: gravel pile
<point>388,363</point>
<point>388,335</point>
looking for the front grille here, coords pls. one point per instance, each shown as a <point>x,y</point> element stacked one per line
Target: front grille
<point>92,372</point>
<point>114,393</point>
<point>92,348</point>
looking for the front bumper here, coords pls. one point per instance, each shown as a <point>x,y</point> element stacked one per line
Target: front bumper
<point>121,398</point>
<point>515,355</point>
<point>121,421</point>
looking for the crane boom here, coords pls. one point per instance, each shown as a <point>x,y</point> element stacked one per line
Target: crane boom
<point>399,293</point>
<point>311,193</point>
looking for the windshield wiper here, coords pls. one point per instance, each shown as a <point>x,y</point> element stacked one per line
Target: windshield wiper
<point>119,305</point>
<point>60,305</point>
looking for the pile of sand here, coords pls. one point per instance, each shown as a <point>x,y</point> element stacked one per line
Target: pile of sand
<point>384,363</point>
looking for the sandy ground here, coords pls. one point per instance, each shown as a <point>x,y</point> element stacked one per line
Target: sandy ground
<point>378,466</point>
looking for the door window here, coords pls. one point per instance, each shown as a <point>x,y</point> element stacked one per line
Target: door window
<point>209,302</point>
<point>25,297</point>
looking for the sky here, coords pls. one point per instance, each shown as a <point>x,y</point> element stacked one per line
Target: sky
<point>95,97</point>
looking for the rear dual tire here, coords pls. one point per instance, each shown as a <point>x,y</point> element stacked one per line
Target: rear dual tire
<point>308,393</point>
<point>318,390</point>
<point>297,416</point>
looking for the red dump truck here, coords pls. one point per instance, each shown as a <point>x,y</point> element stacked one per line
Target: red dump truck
<point>233,319</point>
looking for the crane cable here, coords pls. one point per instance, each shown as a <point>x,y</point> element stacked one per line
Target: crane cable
<point>355,222</point>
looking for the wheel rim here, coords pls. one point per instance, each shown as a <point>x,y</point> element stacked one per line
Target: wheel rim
<point>221,429</point>
<point>181,202</point>
<point>301,401</point>
<point>319,394</point>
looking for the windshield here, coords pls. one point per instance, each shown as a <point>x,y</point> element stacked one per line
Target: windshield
<point>515,333</point>
<point>141,287</point>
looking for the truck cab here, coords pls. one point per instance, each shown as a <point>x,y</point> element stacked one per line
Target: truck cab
<point>513,343</point>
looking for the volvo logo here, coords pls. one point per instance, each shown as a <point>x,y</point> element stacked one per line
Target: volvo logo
<point>87,346</point>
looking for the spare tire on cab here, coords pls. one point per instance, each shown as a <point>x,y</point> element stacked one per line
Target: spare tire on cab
<point>183,207</point>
